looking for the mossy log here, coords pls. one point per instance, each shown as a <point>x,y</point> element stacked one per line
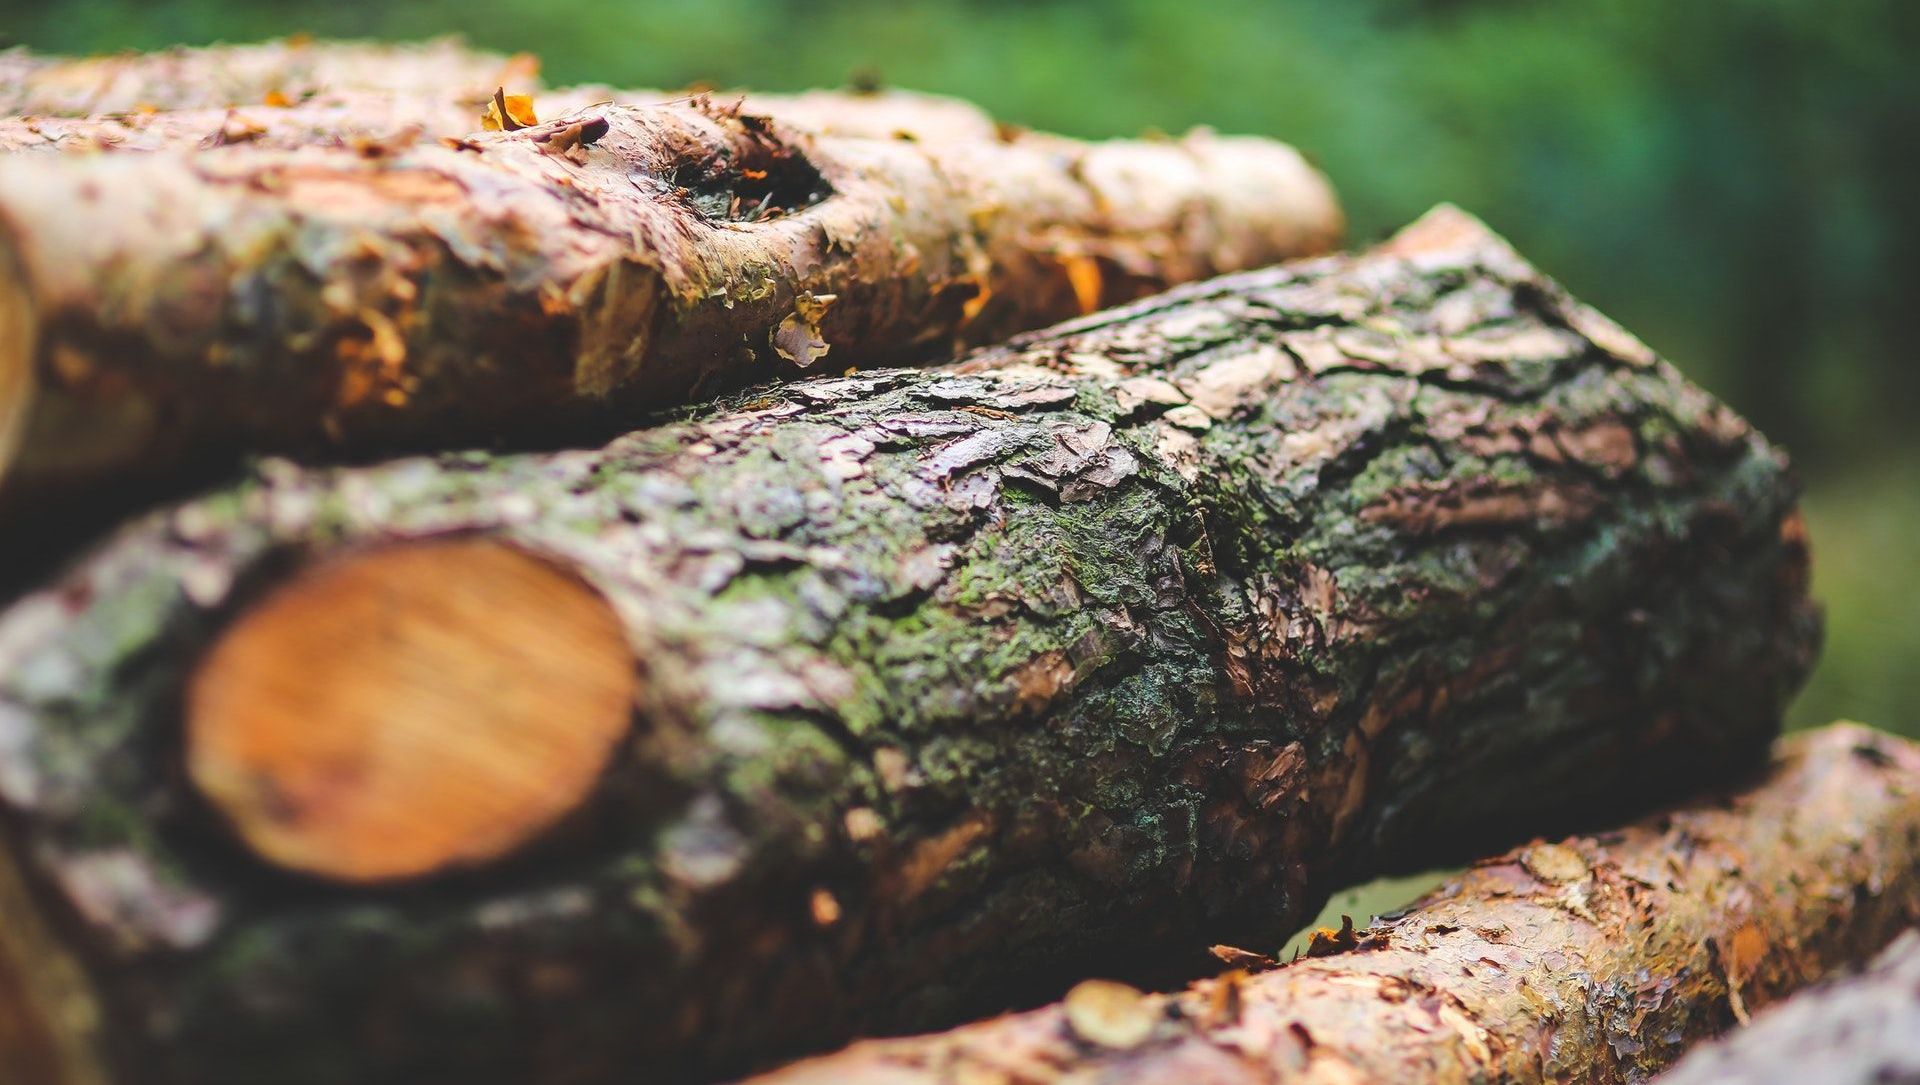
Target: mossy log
<point>1863,1029</point>
<point>1594,959</point>
<point>936,688</point>
<point>163,310</point>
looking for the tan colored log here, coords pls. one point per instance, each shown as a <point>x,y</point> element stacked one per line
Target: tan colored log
<point>286,70</point>
<point>295,93</point>
<point>182,308</point>
<point>373,121</point>
<point>1592,959</point>
<point>1859,1029</point>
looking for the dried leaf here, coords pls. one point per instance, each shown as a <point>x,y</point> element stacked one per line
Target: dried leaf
<point>571,141</point>
<point>1244,959</point>
<point>508,112</point>
<point>798,337</point>
<point>1083,274</point>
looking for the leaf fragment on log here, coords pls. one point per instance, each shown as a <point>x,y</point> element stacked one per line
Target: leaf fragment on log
<point>1596,959</point>
<point>950,684</point>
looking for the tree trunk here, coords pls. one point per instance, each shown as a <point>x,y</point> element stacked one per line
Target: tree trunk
<point>1860,1030</point>
<point>1595,959</point>
<point>935,687</point>
<point>181,308</point>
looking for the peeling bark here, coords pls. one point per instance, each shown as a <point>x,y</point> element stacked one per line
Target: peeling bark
<point>180,308</point>
<point>296,93</point>
<point>955,683</point>
<point>1863,1029</point>
<point>1595,959</point>
<point>223,76</point>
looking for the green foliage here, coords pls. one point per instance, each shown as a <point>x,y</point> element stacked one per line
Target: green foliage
<point>1734,180</point>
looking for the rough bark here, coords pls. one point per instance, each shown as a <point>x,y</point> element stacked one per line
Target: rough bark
<point>295,93</point>
<point>1860,1030</point>
<point>953,683</point>
<point>180,307</point>
<point>374,122</point>
<point>222,76</point>
<point>1594,959</point>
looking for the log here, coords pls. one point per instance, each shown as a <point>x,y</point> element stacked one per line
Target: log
<point>286,70</point>
<point>1863,1029</point>
<point>374,123</point>
<point>170,311</point>
<point>1595,959</point>
<point>948,685</point>
<point>294,92</point>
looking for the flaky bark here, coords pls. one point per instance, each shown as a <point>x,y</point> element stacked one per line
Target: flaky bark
<point>1594,959</point>
<point>1863,1029</point>
<point>181,307</point>
<point>295,93</point>
<point>952,683</point>
<point>220,76</point>
<point>376,123</point>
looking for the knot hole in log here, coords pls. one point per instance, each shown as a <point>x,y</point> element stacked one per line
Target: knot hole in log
<point>757,174</point>
<point>409,709</point>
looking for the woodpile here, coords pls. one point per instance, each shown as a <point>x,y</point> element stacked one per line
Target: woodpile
<point>580,585</point>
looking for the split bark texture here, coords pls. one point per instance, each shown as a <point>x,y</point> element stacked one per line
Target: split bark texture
<point>1860,1030</point>
<point>296,93</point>
<point>223,76</point>
<point>179,308</point>
<point>1594,959</point>
<point>952,683</point>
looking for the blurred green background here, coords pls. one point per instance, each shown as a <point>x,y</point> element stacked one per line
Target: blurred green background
<point>1738,181</point>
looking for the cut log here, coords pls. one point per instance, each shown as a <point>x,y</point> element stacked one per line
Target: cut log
<point>287,70</point>
<point>949,685</point>
<point>375,123</point>
<point>553,282</point>
<point>297,92</point>
<point>1594,959</point>
<point>1860,1030</point>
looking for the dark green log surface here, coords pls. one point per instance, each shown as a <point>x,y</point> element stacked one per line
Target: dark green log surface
<point>1136,634</point>
<point>1861,1030</point>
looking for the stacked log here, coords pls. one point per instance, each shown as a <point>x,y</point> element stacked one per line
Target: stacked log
<point>1594,959</point>
<point>1863,1029</point>
<point>873,702</point>
<point>552,284</point>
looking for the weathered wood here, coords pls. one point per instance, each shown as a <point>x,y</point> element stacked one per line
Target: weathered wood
<point>1862,1029</point>
<point>1595,959</point>
<point>182,307</point>
<point>951,683</point>
<point>298,92</point>
<point>288,70</point>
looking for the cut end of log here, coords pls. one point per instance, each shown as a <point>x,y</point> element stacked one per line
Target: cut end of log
<point>409,710</point>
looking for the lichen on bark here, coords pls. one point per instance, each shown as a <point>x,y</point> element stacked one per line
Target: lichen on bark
<point>1132,635</point>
